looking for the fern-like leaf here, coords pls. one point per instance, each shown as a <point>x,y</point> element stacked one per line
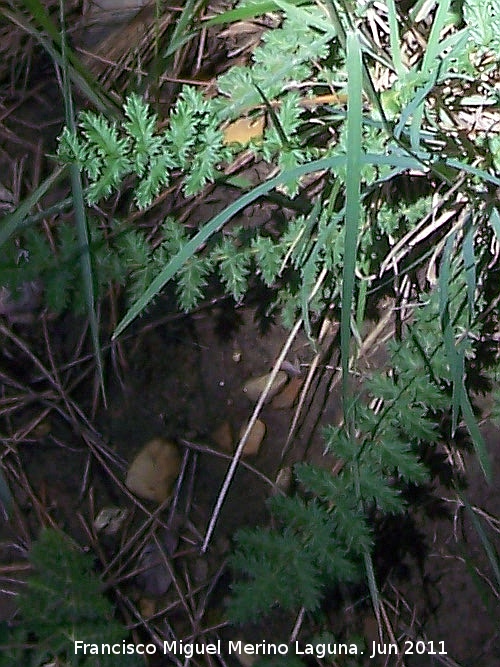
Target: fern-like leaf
<point>141,128</point>
<point>271,561</point>
<point>233,267</point>
<point>268,256</point>
<point>191,281</point>
<point>62,603</point>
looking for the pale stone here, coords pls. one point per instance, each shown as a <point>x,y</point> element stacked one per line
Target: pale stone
<point>147,607</point>
<point>286,398</point>
<point>284,479</point>
<point>223,437</point>
<point>255,438</point>
<point>153,472</point>
<point>254,387</point>
<point>110,520</point>
<point>118,5</point>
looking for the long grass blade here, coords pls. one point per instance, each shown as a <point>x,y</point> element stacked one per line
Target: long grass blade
<point>81,217</point>
<point>414,105</point>
<point>495,223</point>
<point>470,267</point>
<point>353,203</point>
<point>352,221</point>
<point>249,11</point>
<point>394,38</point>
<point>180,35</point>
<point>473,171</point>
<point>430,64</point>
<point>477,438</point>
<point>455,358</point>
<point>212,227</point>
<point>306,18</point>
<point>308,271</point>
<point>485,541</point>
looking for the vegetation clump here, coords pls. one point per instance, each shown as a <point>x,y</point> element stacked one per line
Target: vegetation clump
<point>62,602</point>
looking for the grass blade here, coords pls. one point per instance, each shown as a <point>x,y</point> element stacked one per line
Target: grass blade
<point>477,438</point>
<point>495,222</point>
<point>353,202</point>
<point>213,226</point>
<point>308,271</point>
<point>354,163</point>
<point>249,11</point>
<point>470,267</point>
<point>487,545</point>
<point>304,17</point>
<point>455,359</point>
<point>81,217</point>
<point>473,171</point>
<point>180,35</point>
<point>415,104</point>
<point>430,64</point>
<point>394,39</point>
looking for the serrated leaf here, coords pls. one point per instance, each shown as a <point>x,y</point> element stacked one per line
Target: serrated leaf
<point>191,281</point>
<point>234,267</point>
<point>268,257</point>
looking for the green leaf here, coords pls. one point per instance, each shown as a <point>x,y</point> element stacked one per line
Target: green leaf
<point>234,266</point>
<point>192,279</point>
<point>268,256</point>
<point>353,204</point>
<point>271,561</point>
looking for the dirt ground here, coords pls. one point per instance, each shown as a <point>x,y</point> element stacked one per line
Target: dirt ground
<point>182,380</point>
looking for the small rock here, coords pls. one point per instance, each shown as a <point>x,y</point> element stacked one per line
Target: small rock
<point>156,577</point>
<point>284,479</point>
<point>147,607</point>
<point>153,472</point>
<point>110,520</point>
<point>254,387</point>
<point>286,398</point>
<point>255,438</point>
<point>223,437</point>
<point>42,429</point>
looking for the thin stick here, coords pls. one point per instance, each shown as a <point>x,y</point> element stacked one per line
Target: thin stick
<point>239,450</point>
<point>260,403</point>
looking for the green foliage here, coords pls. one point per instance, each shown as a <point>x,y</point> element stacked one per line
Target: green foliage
<point>286,55</point>
<point>272,561</point>
<point>304,54</point>
<point>330,524</point>
<point>193,143</point>
<point>30,257</point>
<point>483,21</point>
<point>61,603</point>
